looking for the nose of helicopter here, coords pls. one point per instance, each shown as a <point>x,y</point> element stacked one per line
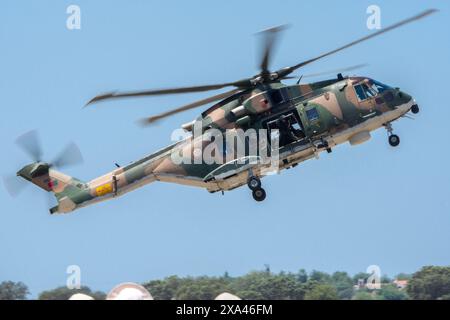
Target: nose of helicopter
<point>405,102</point>
<point>404,97</point>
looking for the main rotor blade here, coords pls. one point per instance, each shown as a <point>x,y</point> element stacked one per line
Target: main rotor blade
<point>285,71</point>
<point>70,156</point>
<point>270,38</point>
<point>189,106</point>
<point>29,142</point>
<point>117,95</point>
<point>335,71</point>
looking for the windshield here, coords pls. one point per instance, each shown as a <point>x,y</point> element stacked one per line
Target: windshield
<point>369,89</point>
<point>378,87</point>
<point>364,91</point>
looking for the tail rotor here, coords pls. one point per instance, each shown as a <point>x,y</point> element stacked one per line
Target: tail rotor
<point>37,170</point>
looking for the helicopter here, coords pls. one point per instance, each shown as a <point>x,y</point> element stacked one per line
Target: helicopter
<point>305,119</point>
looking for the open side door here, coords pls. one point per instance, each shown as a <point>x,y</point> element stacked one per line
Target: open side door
<point>287,127</point>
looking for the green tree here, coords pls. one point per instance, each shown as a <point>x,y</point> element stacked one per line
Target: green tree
<point>363,295</point>
<point>322,291</point>
<point>165,289</point>
<point>10,290</point>
<point>403,276</point>
<point>385,279</point>
<point>201,288</point>
<point>343,284</point>
<point>320,276</point>
<point>360,275</point>
<point>264,285</point>
<point>64,293</point>
<point>302,276</point>
<point>429,283</point>
<point>391,292</point>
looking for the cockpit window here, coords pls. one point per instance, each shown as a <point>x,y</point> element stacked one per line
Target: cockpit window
<point>363,91</point>
<point>378,86</point>
<point>370,92</point>
<point>360,93</point>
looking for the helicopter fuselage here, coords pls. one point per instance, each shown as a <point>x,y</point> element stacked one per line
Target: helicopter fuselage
<point>324,115</point>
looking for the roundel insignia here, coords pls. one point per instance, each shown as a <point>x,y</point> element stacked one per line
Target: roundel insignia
<point>264,103</point>
<point>52,183</point>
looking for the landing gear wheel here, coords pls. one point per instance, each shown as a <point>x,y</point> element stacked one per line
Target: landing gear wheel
<point>254,183</point>
<point>394,140</point>
<point>259,194</point>
<point>415,109</point>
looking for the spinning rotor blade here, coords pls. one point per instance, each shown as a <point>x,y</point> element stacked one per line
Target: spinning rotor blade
<point>265,76</point>
<point>14,185</point>
<point>285,71</point>
<point>335,71</point>
<point>29,142</point>
<point>189,106</point>
<point>70,156</point>
<point>269,42</point>
<point>117,95</point>
<point>271,36</point>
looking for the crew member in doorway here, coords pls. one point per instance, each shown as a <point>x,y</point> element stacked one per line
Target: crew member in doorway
<point>288,133</point>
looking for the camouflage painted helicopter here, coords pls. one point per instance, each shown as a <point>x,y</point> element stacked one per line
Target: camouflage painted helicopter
<point>308,118</point>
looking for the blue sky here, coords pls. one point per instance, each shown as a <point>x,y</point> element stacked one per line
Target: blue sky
<point>358,206</point>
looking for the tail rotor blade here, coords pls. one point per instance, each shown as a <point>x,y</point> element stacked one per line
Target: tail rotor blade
<point>70,156</point>
<point>14,185</point>
<point>29,142</point>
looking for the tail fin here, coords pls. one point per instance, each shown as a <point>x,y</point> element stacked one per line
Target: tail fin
<point>64,187</point>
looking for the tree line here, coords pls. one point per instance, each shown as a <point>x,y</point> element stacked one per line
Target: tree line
<point>429,283</point>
